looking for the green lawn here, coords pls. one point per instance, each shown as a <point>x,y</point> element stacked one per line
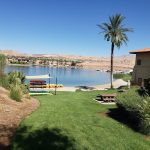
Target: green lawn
<point>72,121</point>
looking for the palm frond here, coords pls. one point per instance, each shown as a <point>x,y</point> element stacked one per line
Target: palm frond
<point>126,29</point>
<point>115,31</point>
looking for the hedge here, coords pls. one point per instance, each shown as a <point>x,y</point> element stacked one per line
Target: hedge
<point>137,108</point>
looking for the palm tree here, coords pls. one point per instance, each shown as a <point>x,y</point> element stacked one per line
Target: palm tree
<point>115,32</point>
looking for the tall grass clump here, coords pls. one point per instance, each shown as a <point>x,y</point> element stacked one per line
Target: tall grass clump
<point>17,87</point>
<point>3,77</point>
<point>4,81</point>
<point>2,64</point>
<point>136,108</point>
<point>16,93</point>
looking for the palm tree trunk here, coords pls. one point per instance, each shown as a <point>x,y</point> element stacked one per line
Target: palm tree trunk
<point>112,64</point>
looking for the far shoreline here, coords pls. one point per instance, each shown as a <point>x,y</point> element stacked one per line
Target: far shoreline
<point>102,69</point>
<point>22,65</point>
<point>116,83</point>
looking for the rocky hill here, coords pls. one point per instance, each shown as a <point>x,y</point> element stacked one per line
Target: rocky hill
<point>124,62</point>
<point>12,53</point>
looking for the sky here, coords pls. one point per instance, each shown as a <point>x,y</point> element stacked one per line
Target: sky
<point>70,26</point>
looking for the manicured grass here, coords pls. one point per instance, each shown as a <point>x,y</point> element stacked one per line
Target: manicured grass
<point>73,121</point>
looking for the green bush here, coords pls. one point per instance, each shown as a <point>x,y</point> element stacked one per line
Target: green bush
<point>2,64</point>
<point>78,90</point>
<point>17,86</point>
<point>4,81</point>
<point>125,77</point>
<point>24,88</point>
<point>16,77</point>
<point>137,109</point>
<point>144,111</point>
<point>16,92</point>
<point>14,81</point>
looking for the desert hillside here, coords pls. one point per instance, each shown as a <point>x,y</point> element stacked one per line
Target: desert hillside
<point>11,114</point>
<point>124,62</point>
<point>12,53</point>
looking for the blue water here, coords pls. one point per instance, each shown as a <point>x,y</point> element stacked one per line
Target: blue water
<point>65,76</point>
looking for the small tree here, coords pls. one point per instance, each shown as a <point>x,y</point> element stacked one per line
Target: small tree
<point>73,63</point>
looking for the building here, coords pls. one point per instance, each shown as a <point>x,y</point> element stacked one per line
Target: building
<point>141,71</point>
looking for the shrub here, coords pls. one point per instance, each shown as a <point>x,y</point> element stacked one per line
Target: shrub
<point>137,109</point>
<point>4,81</point>
<point>24,88</point>
<point>15,92</point>
<point>125,77</point>
<point>147,88</point>
<point>73,63</point>
<point>144,111</point>
<point>16,77</point>
<point>2,64</point>
<point>78,90</point>
<point>14,82</point>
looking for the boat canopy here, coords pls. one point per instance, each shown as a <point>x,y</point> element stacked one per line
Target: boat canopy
<point>39,77</point>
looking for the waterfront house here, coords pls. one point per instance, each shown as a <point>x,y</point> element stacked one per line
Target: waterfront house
<point>141,71</point>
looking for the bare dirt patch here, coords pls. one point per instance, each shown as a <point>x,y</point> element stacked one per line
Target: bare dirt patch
<point>104,114</point>
<point>147,138</point>
<point>11,114</point>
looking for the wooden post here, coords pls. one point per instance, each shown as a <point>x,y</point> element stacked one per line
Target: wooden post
<point>49,81</point>
<point>56,86</point>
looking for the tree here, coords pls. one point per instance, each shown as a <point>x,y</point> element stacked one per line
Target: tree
<point>73,63</point>
<point>115,32</point>
<point>2,64</point>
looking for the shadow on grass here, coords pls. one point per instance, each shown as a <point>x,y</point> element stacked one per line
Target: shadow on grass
<point>43,139</point>
<point>85,87</point>
<point>124,118</point>
<point>4,147</point>
<point>6,133</point>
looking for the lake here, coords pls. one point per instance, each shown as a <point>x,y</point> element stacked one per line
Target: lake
<point>65,76</point>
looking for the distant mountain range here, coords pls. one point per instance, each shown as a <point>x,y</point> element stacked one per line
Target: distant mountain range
<point>12,53</point>
<point>120,62</point>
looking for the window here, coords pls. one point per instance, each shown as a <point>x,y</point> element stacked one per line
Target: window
<point>139,62</point>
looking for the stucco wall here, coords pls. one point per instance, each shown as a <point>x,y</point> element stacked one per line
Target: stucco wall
<point>143,70</point>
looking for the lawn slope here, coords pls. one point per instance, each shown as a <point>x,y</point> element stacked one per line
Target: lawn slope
<point>72,121</point>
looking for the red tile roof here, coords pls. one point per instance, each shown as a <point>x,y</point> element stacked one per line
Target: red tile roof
<point>145,50</point>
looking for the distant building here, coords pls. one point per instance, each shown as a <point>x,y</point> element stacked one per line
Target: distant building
<point>141,71</point>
